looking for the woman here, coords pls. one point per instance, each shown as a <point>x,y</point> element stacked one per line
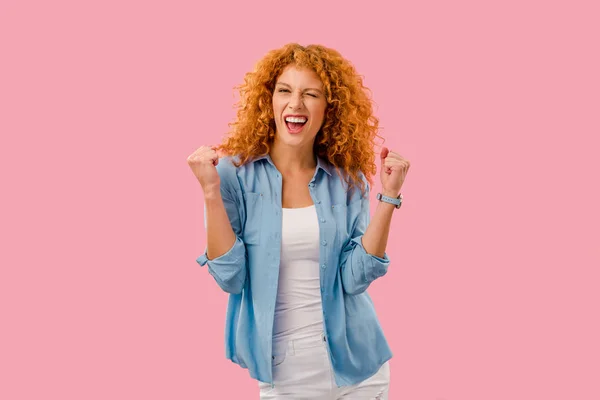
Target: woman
<point>289,230</point>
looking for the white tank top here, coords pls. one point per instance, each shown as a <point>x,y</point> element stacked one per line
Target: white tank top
<point>298,310</point>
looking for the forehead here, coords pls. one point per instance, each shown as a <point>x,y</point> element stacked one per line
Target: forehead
<point>293,75</point>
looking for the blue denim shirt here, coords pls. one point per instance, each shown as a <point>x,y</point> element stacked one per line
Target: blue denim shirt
<point>249,271</point>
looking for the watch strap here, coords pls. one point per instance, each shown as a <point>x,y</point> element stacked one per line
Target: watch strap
<point>397,201</point>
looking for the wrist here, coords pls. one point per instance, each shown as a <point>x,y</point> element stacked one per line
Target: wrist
<point>391,198</point>
<point>390,194</point>
<point>212,194</point>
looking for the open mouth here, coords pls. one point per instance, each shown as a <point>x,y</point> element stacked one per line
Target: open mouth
<point>295,125</point>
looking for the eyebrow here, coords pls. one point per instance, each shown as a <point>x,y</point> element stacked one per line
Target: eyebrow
<point>285,84</point>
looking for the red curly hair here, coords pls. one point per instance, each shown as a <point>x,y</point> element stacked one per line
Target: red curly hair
<point>346,138</point>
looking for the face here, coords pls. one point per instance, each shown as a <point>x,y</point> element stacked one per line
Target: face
<point>298,106</point>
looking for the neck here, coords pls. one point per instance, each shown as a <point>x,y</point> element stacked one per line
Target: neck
<point>292,159</point>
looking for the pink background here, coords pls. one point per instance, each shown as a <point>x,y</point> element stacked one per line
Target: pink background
<point>493,288</point>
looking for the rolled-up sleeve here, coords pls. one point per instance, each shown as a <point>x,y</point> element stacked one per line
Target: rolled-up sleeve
<point>229,269</point>
<point>359,268</point>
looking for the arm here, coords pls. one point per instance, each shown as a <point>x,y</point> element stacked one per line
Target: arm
<point>220,236</point>
<point>225,252</point>
<point>376,236</point>
<point>359,266</point>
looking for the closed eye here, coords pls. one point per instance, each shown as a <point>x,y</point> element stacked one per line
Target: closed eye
<point>286,90</point>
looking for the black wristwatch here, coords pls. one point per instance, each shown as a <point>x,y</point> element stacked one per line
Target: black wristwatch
<point>395,201</point>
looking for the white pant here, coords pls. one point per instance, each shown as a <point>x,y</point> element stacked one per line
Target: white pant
<point>302,370</point>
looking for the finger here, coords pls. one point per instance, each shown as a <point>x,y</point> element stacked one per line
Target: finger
<point>396,161</point>
<point>384,153</point>
<point>392,161</point>
<point>220,153</point>
<point>213,157</point>
<point>395,156</point>
<point>218,149</point>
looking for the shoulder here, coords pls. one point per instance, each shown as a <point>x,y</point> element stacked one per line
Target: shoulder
<point>363,178</point>
<point>355,193</point>
<point>341,191</point>
<point>228,173</point>
<point>225,165</point>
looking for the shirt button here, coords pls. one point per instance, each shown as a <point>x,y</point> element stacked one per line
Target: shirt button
<point>323,266</point>
<point>318,201</point>
<point>311,184</point>
<point>324,242</point>
<point>323,220</point>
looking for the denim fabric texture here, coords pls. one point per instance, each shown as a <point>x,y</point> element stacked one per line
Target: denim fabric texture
<point>249,271</point>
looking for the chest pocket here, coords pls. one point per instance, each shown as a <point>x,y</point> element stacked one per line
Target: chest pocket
<point>340,215</point>
<point>345,216</point>
<point>252,227</point>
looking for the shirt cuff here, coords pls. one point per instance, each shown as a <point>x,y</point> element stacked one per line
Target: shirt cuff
<point>373,266</point>
<point>233,252</point>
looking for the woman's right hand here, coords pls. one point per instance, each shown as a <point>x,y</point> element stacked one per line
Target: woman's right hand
<point>203,163</point>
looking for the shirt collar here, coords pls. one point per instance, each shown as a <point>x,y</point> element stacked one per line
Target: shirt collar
<point>321,163</point>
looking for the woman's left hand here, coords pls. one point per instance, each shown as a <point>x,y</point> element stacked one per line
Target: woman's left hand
<point>393,172</point>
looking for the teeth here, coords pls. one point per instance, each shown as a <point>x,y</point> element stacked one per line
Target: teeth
<point>296,119</point>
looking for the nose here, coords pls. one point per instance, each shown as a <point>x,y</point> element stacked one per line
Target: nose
<point>295,101</point>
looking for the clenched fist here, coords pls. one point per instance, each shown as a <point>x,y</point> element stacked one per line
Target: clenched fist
<point>203,163</point>
<point>394,168</point>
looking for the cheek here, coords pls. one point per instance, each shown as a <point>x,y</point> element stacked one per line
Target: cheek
<point>276,110</point>
<point>279,103</point>
<point>318,109</point>
<point>321,107</point>
<point>320,112</point>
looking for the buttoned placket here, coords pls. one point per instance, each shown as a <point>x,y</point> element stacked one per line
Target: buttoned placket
<point>322,253</point>
<point>323,261</point>
<point>279,214</point>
